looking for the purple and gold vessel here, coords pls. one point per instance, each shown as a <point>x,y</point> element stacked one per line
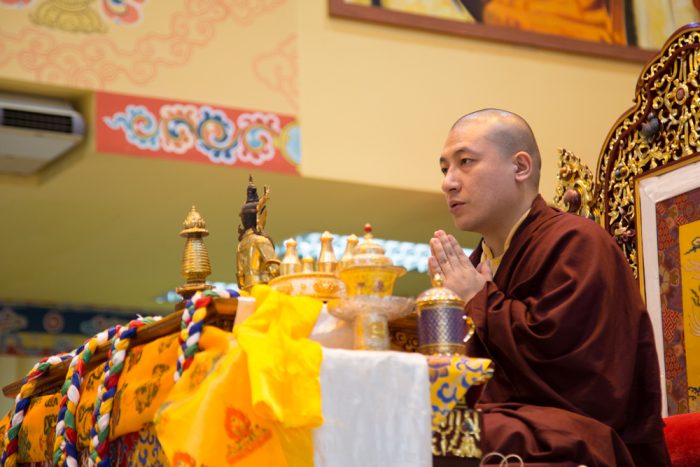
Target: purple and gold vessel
<point>443,327</point>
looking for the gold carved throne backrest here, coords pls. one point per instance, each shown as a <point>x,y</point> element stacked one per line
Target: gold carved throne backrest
<point>660,128</point>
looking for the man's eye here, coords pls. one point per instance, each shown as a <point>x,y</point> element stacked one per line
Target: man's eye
<point>466,161</point>
<point>443,170</point>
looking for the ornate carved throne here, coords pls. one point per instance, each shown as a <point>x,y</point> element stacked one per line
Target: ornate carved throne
<point>646,193</point>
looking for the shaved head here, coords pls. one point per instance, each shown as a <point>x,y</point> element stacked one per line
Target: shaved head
<point>509,132</point>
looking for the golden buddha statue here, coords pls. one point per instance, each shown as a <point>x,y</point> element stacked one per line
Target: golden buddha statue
<point>256,260</point>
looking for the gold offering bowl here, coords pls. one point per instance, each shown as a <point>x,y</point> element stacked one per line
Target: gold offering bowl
<point>370,280</point>
<point>321,285</point>
<point>369,276</point>
<point>368,271</point>
<point>391,307</point>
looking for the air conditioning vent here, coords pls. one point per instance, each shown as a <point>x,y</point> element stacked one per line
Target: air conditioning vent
<point>34,131</point>
<point>37,121</point>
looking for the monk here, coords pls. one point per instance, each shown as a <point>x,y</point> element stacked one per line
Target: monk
<point>555,305</point>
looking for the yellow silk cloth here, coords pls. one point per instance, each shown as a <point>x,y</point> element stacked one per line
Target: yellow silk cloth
<point>144,383</point>
<point>450,377</point>
<point>250,398</point>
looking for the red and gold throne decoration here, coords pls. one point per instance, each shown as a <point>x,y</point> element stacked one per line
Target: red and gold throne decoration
<point>646,193</point>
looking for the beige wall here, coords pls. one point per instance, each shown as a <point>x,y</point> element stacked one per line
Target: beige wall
<point>214,51</point>
<point>377,100</point>
<point>374,101</point>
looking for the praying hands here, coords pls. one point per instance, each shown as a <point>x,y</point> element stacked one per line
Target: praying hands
<point>459,275</point>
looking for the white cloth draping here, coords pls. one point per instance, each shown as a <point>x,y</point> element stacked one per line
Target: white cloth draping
<point>376,410</point>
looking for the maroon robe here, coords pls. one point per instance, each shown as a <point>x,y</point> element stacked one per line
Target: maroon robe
<point>577,376</point>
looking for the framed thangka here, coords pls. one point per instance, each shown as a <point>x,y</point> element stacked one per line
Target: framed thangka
<point>668,213</point>
<point>623,29</point>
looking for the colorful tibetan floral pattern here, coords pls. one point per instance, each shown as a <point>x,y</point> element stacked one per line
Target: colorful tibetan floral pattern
<point>450,377</point>
<point>200,133</point>
<point>679,277</point>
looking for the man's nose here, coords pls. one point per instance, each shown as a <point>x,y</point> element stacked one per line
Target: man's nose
<point>450,182</point>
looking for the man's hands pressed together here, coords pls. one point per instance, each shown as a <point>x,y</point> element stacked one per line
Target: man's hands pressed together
<point>458,273</point>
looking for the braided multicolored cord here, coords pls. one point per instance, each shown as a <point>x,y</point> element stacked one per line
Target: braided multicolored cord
<point>11,440</point>
<point>65,444</point>
<point>99,445</point>
<point>191,325</point>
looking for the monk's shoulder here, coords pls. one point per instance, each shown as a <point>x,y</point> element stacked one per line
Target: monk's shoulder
<point>557,223</point>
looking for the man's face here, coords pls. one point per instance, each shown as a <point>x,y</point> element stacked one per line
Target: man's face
<point>479,182</point>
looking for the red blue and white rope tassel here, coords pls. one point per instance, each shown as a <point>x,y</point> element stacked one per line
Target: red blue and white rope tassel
<point>192,323</point>
<point>11,439</point>
<point>99,434</point>
<point>65,444</point>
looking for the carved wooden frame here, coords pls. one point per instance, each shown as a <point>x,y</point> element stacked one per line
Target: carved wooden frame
<point>665,183</point>
<point>663,126</point>
<point>342,9</point>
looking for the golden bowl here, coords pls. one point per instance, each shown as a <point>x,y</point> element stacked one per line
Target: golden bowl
<point>321,285</point>
<point>367,270</point>
<point>370,280</point>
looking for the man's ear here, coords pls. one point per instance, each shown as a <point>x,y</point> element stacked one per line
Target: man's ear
<point>522,165</point>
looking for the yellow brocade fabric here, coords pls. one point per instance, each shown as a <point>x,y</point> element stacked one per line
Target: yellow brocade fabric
<point>38,429</point>
<point>450,378</point>
<point>144,384</point>
<point>251,399</point>
<point>86,406</point>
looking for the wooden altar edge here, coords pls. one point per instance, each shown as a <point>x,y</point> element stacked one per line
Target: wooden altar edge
<point>220,310</point>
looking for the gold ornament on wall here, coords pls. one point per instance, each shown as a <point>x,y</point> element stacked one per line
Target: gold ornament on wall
<point>68,15</point>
